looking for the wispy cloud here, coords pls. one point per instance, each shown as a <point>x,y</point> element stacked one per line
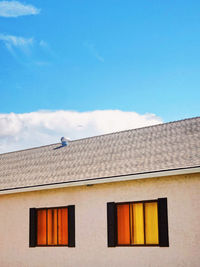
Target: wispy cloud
<point>16,9</point>
<point>16,40</point>
<point>19,131</point>
<point>18,47</point>
<point>27,50</point>
<point>92,48</point>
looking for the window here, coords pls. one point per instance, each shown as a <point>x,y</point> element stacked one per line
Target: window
<point>52,226</point>
<point>141,223</point>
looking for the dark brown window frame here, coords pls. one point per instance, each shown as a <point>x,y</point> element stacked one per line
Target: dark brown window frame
<point>162,223</point>
<point>33,226</point>
<point>46,209</point>
<point>137,245</point>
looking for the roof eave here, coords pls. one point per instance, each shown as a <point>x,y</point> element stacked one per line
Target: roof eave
<point>88,182</point>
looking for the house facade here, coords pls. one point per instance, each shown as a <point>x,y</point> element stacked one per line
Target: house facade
<point>123,199</point>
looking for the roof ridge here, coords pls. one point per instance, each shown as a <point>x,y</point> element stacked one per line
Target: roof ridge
<point>90,137</point>
<point>135,129</point>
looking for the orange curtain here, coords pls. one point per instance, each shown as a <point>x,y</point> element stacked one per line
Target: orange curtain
<point>151,222</point>
<point>63,226</point>
<point>41,227</point>
<point>137,224</point>
<point>123,224</point>
<point>49,227</point>
<point>55,223</point>
<point>52,226</point>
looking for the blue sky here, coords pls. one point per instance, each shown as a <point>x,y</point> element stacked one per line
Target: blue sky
<point>134,56</point>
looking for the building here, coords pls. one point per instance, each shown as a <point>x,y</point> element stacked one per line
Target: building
<point>129,198</point>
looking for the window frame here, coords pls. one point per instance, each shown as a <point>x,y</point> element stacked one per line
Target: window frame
<point>33,226</point>
<point>50,208</point>
<point>137,202</point>
<point>163,228</point>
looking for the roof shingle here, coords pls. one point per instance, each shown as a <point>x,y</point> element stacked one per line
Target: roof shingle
<point>161,147</point>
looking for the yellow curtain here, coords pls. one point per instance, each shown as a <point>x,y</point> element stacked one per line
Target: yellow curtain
<point>151,222</point>
<point>137,224</point>
<point>123,224</point>
<point>41,227</point>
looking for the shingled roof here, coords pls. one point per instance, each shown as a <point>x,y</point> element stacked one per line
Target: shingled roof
<point>162,147</point>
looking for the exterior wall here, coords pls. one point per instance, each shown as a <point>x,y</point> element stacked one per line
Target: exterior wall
<point>91,225</point>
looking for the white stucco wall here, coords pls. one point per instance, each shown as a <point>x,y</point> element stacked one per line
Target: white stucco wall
<point>91,225</point>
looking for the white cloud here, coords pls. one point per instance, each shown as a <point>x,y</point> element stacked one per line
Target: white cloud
<point>19,131</point>
<point>15,40</point>
<point>16,9</point>
<point>18,47</point>
<point>21,49</point>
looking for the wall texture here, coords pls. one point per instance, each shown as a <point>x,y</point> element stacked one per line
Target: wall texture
<point>91,225</point>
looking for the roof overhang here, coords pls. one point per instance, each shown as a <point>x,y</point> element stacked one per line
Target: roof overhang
<point>93,181</point>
